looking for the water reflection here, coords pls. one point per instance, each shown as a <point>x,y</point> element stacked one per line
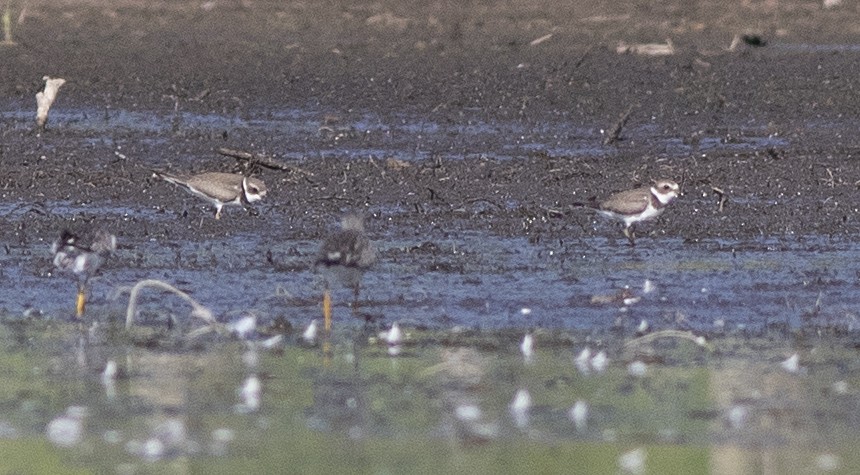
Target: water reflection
<point>447,401</point>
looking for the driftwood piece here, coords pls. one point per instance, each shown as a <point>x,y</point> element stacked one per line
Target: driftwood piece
<point>263,160</point>
<point>615,134</point>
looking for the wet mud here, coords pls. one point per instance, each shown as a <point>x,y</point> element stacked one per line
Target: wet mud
<point>466,135</point>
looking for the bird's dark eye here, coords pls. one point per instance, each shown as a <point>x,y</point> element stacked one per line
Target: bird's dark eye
<point>254,190</point>
<point>666,187</point>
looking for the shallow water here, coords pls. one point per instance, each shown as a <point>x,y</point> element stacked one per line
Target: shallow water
<point>178,405</point>
<point>466,298</point>
<point>476,280</point>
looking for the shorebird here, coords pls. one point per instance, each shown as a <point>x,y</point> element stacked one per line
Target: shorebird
<point>82,256</point>
<point>640,204</point>
<point>343,258</point>
<point>220,189</point>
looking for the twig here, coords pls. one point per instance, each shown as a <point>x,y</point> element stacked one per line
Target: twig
<point>582,58</point>
<point>263,160</point>
<point>699,340</point>
<point>198,311</point>
<point>7,25</point>
<point>721,195</point>
<point>615,133</point>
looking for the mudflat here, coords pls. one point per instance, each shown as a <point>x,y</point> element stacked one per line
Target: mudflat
<point>435,119</point>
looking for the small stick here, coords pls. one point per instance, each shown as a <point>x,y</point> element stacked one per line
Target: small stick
<point>262,160</point>
<point>615,133</point>
<point>198,310</point>
<point>723,199</point>
<point>7,25</point>
<point>699,340</point>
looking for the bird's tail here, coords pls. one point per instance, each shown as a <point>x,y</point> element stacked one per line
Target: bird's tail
<point>590,203</point>
<point>175,179</point>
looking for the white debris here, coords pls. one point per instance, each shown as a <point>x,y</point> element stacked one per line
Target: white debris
<point>828,462</point>
<point>791,364</point>
<point>109,373</point>
<point>67,430</point>
<point>737,416</point>
<point>599,362</point>
<point>527,347</point>
<point>272,342</point>
<point>840,387</point>
<point>394,338</point>
<point>467,412</point>
<point>251,358</point>
<point>221,438</point>
<point>543,38</point>
<point>244,327</point>
<point>637,369</point>
<point>643,327</point>
<point>250,395</point>
<point>648,287</point>
<point>583,361</point>
<point>152,450</point>
<point>45,98</point>
<point>578,414</point>
<point>633,461</point>
<point>646,49</point>
<point>109,379</point>
<point>310,334</point>
<point>520,406</point>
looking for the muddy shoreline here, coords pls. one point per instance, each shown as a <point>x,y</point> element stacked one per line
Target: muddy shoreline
<point>437,121</point>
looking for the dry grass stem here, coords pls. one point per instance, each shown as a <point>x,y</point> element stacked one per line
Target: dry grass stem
<point>198,310</point>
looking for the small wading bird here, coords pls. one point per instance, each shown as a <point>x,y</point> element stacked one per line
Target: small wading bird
<point>82,256</point>
<point>343,258</point>
<point>220,189</point>
<point>640,204</point>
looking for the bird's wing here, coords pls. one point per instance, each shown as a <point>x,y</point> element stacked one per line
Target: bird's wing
<point>627,202</point>
<point>221,186</point>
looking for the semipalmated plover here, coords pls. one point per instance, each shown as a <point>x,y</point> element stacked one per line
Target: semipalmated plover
<point>220,189</point>
<point>640,204</point>
<point>343,258</point>
<point>82,255</point>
